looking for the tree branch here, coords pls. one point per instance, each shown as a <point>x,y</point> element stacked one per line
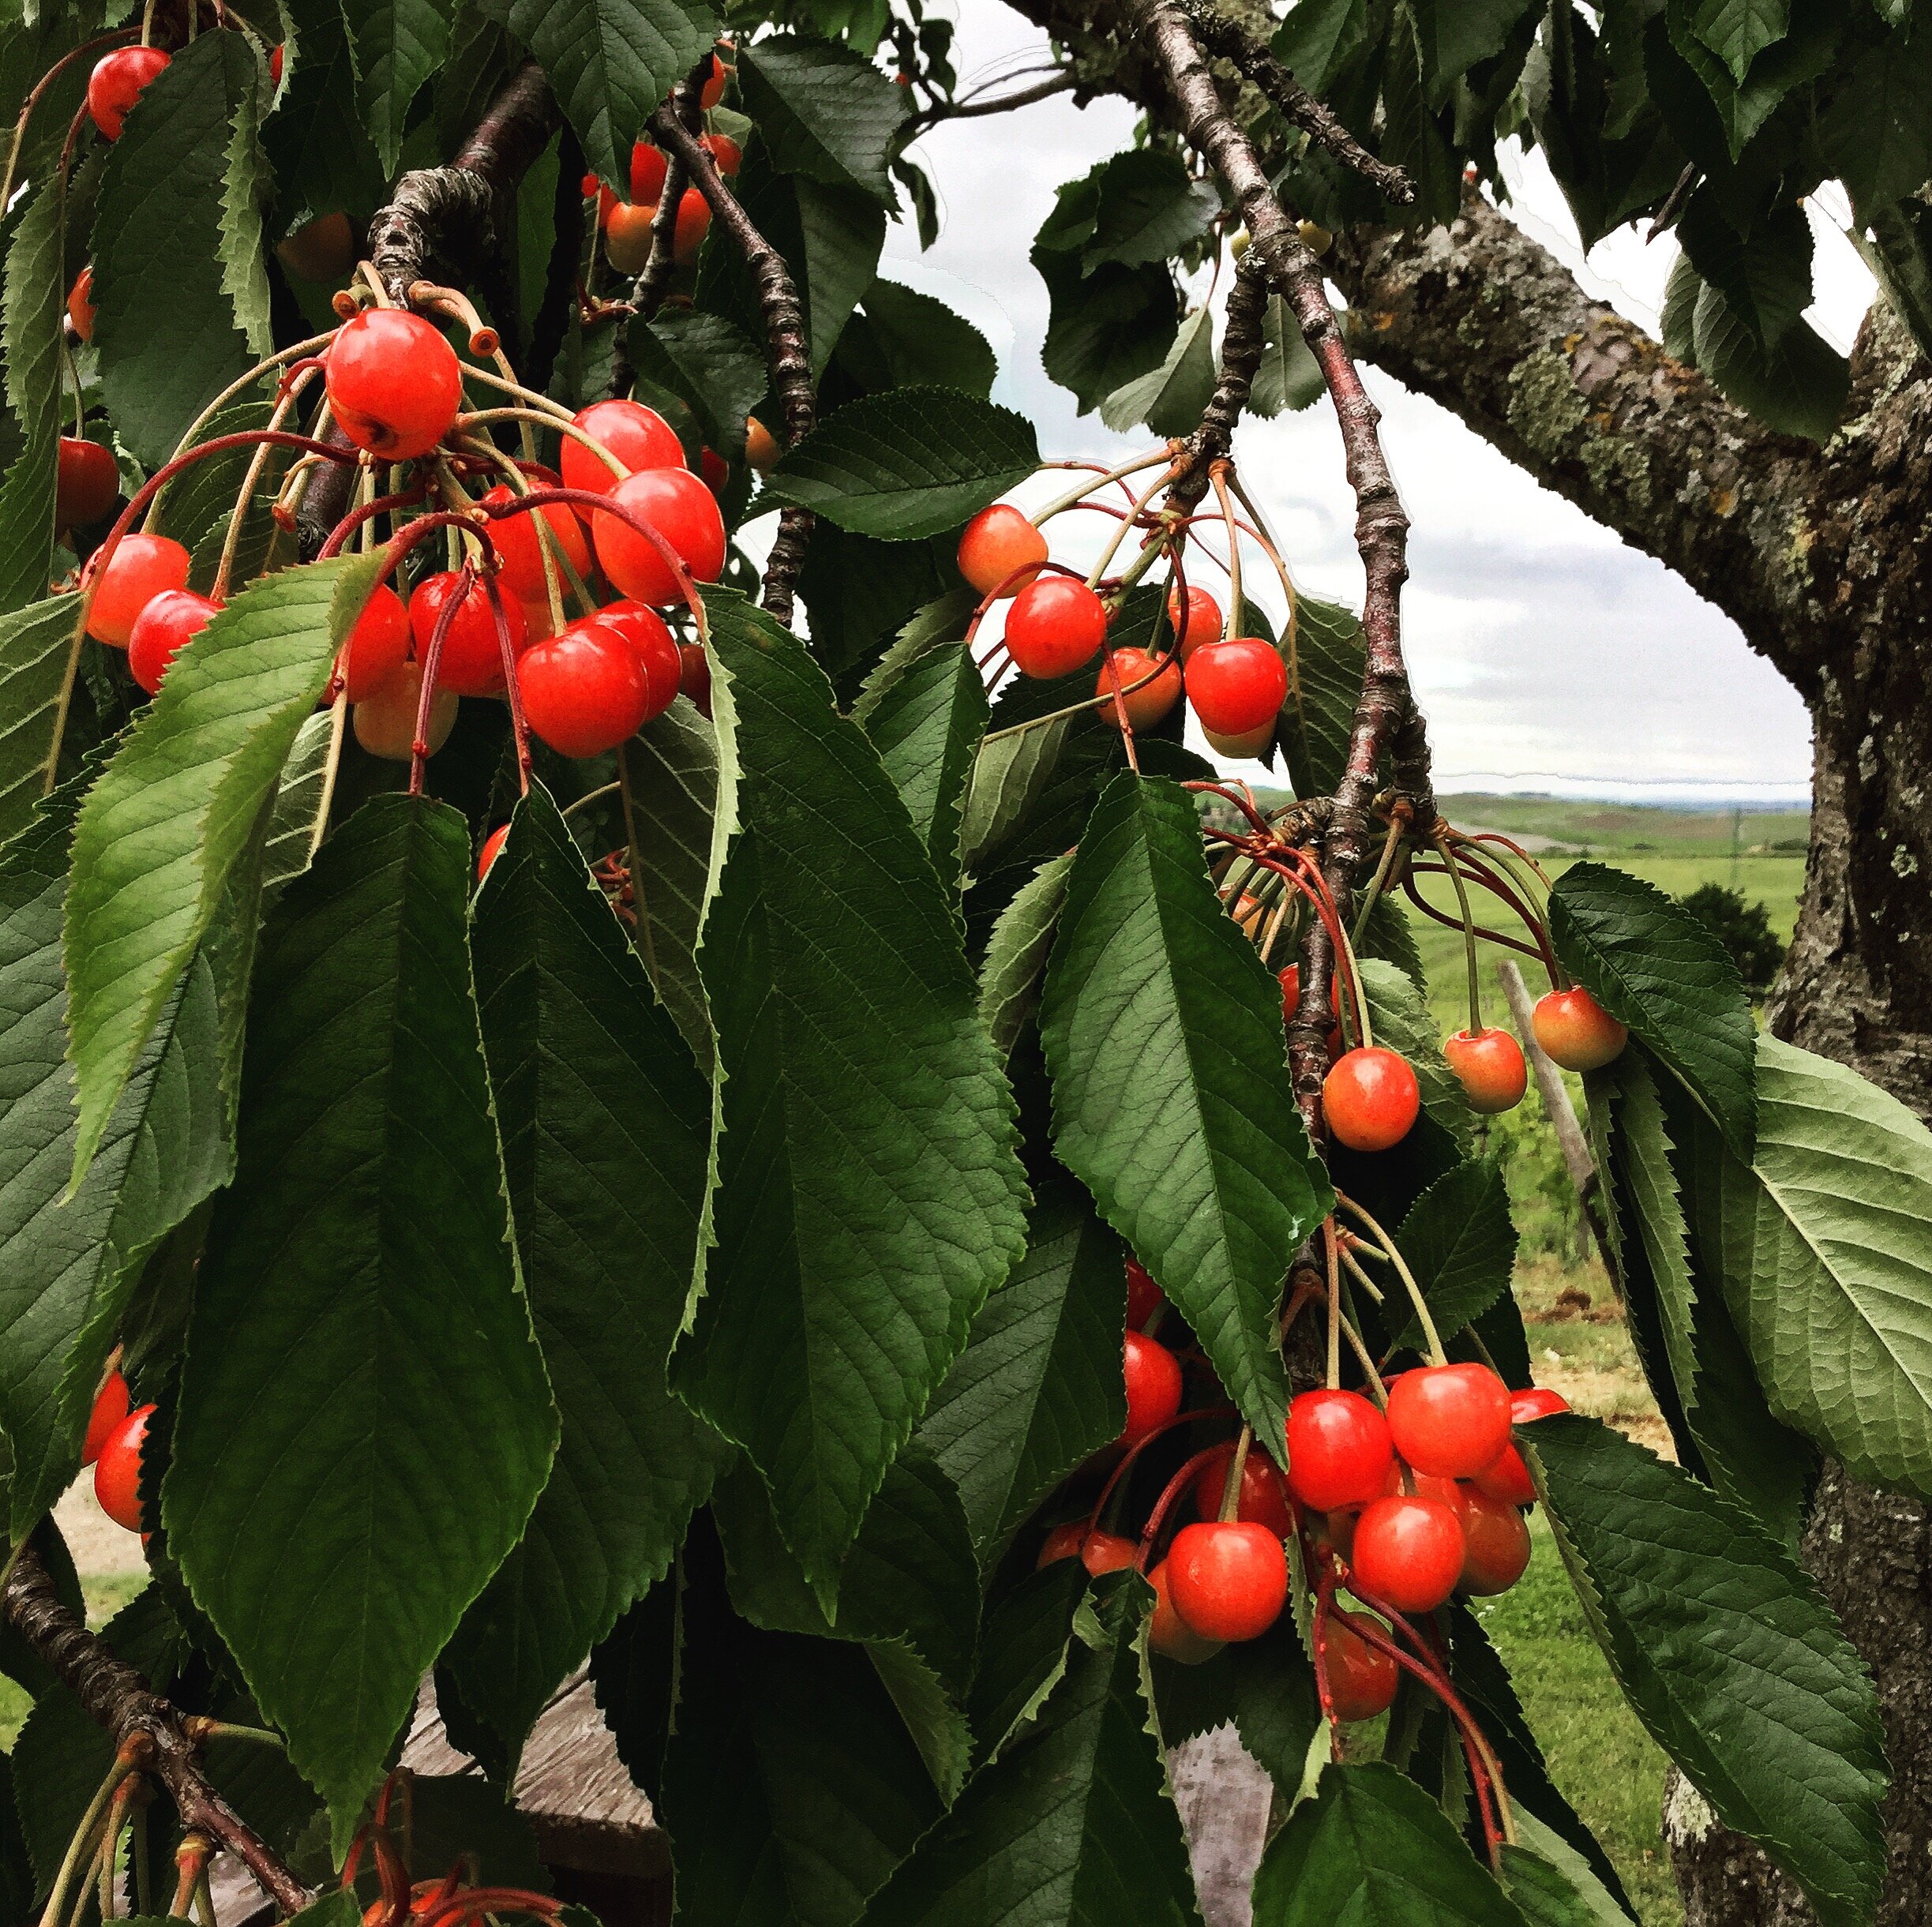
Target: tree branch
<point>653,283</point>
<point>1003,103</point>
<point>785,340</point>
<point>117,1698</point>
<point>1229,40</point>
<point>1242,340</point>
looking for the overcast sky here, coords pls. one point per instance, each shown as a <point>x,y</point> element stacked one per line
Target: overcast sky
<point>1548,655</point>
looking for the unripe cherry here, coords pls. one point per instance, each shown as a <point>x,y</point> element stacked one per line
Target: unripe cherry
<point>1168,1633</point>
<point>87,483</point>
<point>1339,1452</point>
<point>140,568</point>
<point>377,645</point>
<point>649,165</point>
<point>694,218</point>
<point>1107,1552</point>
<point>655,646</point>
<point>1152,1377</point>
<point>385,720</point>
<point>323,249</point>
<point>1362,1678</point>
<point>111,1406</point>
<point>168,623</point>
<point>1577,1031</point>
<point>117,1471</point>
<point>1262,1499</point>
<point>1144,1297</point>
<point>585,690</point>
<point>1408,1553</point>
<point>1201,623</point>
<point>1371,1098</point>
<point>492,846</point>
<point>1489,1066</point>
<point>1236,688</point>
<point>995,545</point>
<point>80,304</point>
<point>117,82</point>
<point>518,545</point>
<point>1506,1477</point>
<point>694,676</point>
<point>675,503</point>
<point>1146,706</point>
<point>640,437</point>
<point>1496,1547</point>
<point>1451,1420</point>
<point>1229,1578</point>
<point>762,450</point>
<point>471,663</point>
<point>1055,627</point>
<point>627,236</point>
<point>394,383</point>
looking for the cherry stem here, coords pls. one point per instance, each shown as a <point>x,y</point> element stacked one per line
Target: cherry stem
<point>1483,930</point>
<point>1217,475</point>
<point>1104,479</point>
<point>1437,1355</point>
<point>1231,1486</point>
<point>1392,843</point>
<point>520,728</point>
<point>1332,1250</point>
<point>1468,934</point>
<point>1503,881</point>
<point>1175,1486</point>
<point>1140,1445</point>
<point>33,99</point>
<point>432,660</point>
<point>1099,570</point>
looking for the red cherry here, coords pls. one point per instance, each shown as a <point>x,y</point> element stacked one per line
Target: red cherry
<point>1146,706</point>
<point>275,65</point>
<point>471,663</point>
<point>1497,1545</point>
<point>1408,1553</point>
<point>1370,1098</point>
<point>378,644</point>
<point>1144,1297</point>
<point>1263,1498</point>
<point>694,218</point>
<point>656,649</point>
<point>1490,1065</point>
<point>627,238</point>
<point>487,855</point>
<point>116,84</point>
<point>1451,1420</point>
<point>1228,1579</point>
<point>87,484</point>
<point>714,88</point>
<point>1063,1541</point>
<point>168,623</point>
<point>1361,1678</point>
<point>517,540</point>
<point>1506,1477</point>
<point>1237,689</point>
<point>110,1406</point>
<point>997,543</point>
<point>1107,1552</point>
<point>1153,1375</point>
<point>675,503</point>
<point>594,190</point>
<point>80,304</point>
<point>584,691</point>
<point>1577,1031</point>
<point>1168,1633</point>
<point>1339,1452</point>
<point>649,165</point>
<point>323,249</point>
<point>694,676</point>
<point>1203,618</point>
<point>385,719</point>
<point>1054,626</point>
<point>140,568</point>
<point>394,383</point>
<point>640,437</point>
<point>725,153</point>
<point>1291,992</point>
<point>714,471</point>
<point>117,1472</point>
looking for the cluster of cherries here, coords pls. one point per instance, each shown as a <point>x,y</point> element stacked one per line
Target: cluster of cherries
<point>1404,1503</point>
<point>627,224</point>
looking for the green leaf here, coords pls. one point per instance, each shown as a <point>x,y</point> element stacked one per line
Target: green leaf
<point>680,804</point>
<point>1266,1686</point>
<point>904,339</point>
<point>1654,966</point>
<point>605,1125</point>
<point>1288,375</point>
<point>1797,386</point>
<point>926,723</point>
<point>791,1785</point>
<point>1548,1896</point>
<point>1373,1849</point>
<point>866,596</point>
<point>1745,100</point>
<point>1325,654</point>
<point>1765,276</point>
<point>1171,398</point>
<point>319,1369</point>
<point>868,1194</point>
<point>610,62</point>
<point>34,299</point>
<point>1873,133</point>
<point>708,361</point>
<point>65,1266</point>
<point>1729,1657</point>
<point>1146,210</point>
<point>1037,1388</point>
<point>634,1675</point>
<point>158,224</point>
<point>1172,1101</point>
<point>1738,31</point>
<point>36,644</point>
<point>165,830</point>
<point>247,188</point>
<point>320,150</point>
<point>909,462</point>
<point>297,819</point>
<point>398,45</point>
<point>1460,1244</point>
<point>1106,329</point>
<point>1009,776</point>
<point>1016,953</point>
<point>824,111</point>
<point>1072,1823</point>
<point>1022,1653</point>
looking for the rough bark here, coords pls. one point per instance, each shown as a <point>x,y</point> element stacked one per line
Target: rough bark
<point>1818,555</point>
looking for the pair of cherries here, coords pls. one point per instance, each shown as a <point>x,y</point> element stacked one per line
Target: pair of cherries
<point>627,224</point>
<point>142,603</point>
<point>114,1436</point>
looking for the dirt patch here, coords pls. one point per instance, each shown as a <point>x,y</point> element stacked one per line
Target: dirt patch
<point>99,1546</point>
